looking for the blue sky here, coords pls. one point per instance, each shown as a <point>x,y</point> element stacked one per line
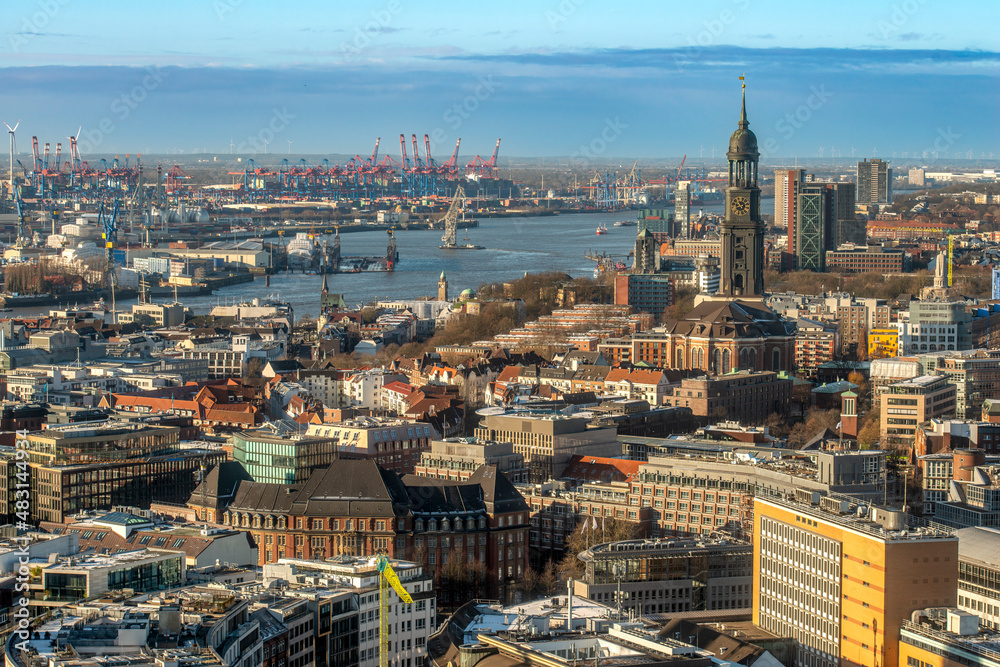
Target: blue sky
<point>559,78</point>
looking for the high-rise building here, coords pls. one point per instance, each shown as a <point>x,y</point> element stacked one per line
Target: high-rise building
<point>786,194</point>
<point>682,209</point>
<point>811,222</point>
<point>841,577</point>
<point>874,182</point>
<point>647,257</point>
<point>786,190</point>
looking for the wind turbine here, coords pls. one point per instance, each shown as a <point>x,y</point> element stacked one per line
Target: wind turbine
<point>265,147</point>
<point>289,146</point>
<point>702,154</point>
<point>713,152</point>
<point>874,151</point>
<point>11,131</point>
<point>833,151</point>
<point>231,145</point>
<point>821,151</point>
<point>852,151</point>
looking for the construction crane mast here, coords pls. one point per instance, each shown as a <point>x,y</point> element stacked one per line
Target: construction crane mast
<point>450,218</point>
<point>110,226</point>
<point>386,578</point>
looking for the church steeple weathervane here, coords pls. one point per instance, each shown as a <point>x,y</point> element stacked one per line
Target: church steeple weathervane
<point>742,230</point>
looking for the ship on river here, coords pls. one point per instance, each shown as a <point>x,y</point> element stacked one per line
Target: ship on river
<point>309,254</point>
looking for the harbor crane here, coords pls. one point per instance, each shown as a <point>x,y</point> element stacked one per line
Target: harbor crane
<point>386,578</point>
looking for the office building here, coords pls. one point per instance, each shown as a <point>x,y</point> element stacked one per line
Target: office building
<point>143,571</point>
<point>395,444</point>
<point>811,227</point>
<point>874,182</point>
<point>97,466</point>
<point>906,404</point>
<point>458,458</point>
<point>979,574</point>
<point>281,458</point>
<point>841,577</point>
<point>666,576</point>
<point>947,637</point>
<point>866,259</point>
<point>973,494</point>
<point>548,441</point>
<point>935,326</point>
<point>745,396</point>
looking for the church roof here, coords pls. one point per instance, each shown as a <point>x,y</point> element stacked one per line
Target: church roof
<point>743,140</point>
<point>729,319</point>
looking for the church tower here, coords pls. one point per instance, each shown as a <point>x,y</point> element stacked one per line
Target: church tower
<point>742,230</point>
<point>442,288</point>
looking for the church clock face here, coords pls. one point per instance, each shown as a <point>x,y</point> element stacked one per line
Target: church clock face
<point>741,206</point>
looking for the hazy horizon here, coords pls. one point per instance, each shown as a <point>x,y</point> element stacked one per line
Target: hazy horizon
<point>566,79</point>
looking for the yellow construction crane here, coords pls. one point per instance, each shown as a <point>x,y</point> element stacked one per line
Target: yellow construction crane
<point>386,578</point>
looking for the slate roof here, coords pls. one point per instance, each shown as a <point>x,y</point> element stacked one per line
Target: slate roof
<point>219,486</point>
<point>719,644</point>
<point>347,487</point>
<point>499,494</point>
<point>729,319</point>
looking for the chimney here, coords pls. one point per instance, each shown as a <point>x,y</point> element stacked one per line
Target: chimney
<point>569,609</point>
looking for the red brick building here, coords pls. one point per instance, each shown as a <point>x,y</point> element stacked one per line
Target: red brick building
<point>355,507</point>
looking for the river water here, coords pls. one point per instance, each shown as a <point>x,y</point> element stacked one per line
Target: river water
<point>513,246</point>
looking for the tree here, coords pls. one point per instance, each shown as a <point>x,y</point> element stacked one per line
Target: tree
<point>871,428</point>
<point>529,583</point>
<point>608,529</point>
<point>777,425</point>
<point>548,582</point>
<point>815,422</point>
<point>255,368</point>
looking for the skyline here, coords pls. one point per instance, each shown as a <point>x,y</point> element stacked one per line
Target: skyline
<point>551,80</point>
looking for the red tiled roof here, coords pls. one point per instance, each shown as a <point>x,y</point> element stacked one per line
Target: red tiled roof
<point>602,469</point>
<point>398,387</point>
<point>636,376</point>
<point>509,374</point>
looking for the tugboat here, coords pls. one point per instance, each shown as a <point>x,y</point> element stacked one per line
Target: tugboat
<point>601,229</point>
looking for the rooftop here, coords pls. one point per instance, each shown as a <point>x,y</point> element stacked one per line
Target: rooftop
<point>866,518</point>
